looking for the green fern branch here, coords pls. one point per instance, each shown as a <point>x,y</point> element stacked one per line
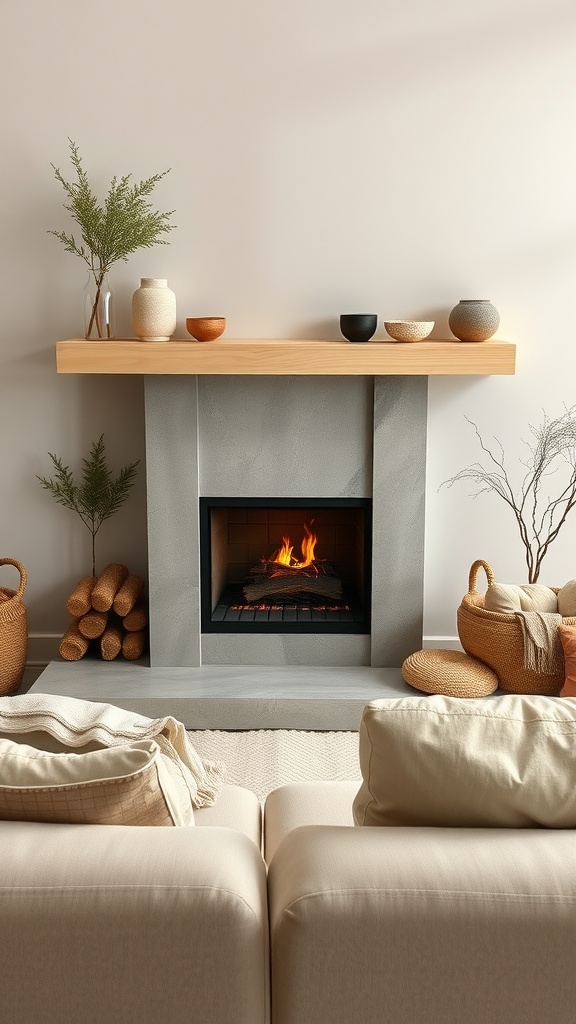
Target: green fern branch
<point>111,231</point>
<point>98,496</point>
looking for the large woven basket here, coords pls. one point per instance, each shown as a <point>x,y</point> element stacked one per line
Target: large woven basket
<point>496,638</point>
<point>13,633</point>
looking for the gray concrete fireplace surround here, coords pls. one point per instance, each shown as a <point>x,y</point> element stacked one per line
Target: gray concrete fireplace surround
<point>260,437</point>
<point>290,437</point>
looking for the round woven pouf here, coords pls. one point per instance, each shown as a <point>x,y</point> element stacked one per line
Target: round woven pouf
<point>451,673</point>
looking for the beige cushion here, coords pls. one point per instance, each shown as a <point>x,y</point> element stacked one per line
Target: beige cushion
<point>305,803</point>
<point>236,808</point>
<point>125,925</point>
<point>67,723</point>
<point>529,597</point>
<point>124,785</point>
<point>505,761</point>
<point>567,599</point>
<point>422,926</point>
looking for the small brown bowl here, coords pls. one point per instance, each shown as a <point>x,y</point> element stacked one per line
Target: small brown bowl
<point>205,328</point>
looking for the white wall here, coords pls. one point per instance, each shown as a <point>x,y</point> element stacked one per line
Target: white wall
<point>326,155</point>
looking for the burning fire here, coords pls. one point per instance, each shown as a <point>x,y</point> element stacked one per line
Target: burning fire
<point>284,554</point>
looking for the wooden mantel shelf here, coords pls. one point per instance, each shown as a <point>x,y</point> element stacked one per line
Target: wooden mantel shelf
<point>285,358</point>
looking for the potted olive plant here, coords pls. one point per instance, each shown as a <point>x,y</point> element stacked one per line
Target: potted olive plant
<point>110,231</point>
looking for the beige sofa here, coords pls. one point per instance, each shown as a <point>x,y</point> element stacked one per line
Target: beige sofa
<point>415,925</point>
<point>113,924</point>
<point>331,923</point>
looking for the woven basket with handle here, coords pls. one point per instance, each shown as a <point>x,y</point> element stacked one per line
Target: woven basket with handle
<point>496,638</point>
<point>13,633</point>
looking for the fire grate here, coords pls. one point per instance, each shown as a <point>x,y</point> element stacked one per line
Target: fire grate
<point>232,609</point>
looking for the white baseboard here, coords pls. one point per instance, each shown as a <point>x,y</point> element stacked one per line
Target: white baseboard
<point>43,648</point>
<point>445,643</point>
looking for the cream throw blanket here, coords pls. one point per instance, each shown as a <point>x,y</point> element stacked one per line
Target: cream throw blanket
<point>76,723</point>
<point>542,646</point>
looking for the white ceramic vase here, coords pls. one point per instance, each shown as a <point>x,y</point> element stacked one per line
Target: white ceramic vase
<point>153,310</point>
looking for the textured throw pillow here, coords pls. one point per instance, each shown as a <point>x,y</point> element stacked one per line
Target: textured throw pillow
<point>68,723</point>
<point>506,761</point>
<point>567,636</point>
<point>529,597</point>
<point>122,785</point>
<point>567,600</point>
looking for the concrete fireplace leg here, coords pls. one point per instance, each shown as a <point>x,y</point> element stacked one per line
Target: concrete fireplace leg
<point>398,496</point>
<point>172,492</point>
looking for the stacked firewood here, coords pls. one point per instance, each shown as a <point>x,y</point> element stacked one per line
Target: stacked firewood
<point>109,617</point>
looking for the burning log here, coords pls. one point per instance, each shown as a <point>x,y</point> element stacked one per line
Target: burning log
<point>275,584</point>
<point>283,574</point>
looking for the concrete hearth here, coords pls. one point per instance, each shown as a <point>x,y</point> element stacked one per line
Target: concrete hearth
<point>215,697</point>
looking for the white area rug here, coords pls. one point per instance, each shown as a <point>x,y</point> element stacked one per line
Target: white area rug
<point>264,759</point>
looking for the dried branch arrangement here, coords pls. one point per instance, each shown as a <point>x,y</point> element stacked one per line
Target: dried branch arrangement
<point>539,513</point>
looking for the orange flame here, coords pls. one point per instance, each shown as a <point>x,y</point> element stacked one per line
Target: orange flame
<point>284,554</point>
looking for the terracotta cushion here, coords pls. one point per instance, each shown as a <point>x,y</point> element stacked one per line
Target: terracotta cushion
<point>568,640</point>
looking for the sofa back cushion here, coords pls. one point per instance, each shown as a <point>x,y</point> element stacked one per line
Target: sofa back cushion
<point>507,761</point>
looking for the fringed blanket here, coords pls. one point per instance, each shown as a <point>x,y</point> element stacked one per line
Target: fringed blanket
<point>75,723</point>
<point>542,646</point>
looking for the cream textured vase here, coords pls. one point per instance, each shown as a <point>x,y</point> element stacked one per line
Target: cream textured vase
<point>474,320</point>
<point>153,310</point>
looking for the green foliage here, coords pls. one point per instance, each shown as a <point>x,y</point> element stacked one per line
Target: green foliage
<point>98,496</point>
<point>112,231</point>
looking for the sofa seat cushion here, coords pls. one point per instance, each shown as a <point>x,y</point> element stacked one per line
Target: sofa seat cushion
<point>507,761</point>
<point>125,924</point>
<point>414,925</point>
<point>305,803</point>
<point>128,784</point>
<point>236,808</point>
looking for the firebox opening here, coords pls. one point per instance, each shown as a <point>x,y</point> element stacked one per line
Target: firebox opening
<point>285,565</point>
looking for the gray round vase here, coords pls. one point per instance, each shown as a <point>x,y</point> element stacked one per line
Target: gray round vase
<point>474,320</point>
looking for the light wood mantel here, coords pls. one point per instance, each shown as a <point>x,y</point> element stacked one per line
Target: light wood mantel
<point>285,358</point>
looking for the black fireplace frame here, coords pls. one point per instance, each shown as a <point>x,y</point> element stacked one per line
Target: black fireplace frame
<point>360,624</point>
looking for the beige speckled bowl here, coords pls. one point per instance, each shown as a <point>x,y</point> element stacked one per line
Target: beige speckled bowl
<point>409,330</point>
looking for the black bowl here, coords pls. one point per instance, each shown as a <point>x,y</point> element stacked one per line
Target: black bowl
<point>358,326</point>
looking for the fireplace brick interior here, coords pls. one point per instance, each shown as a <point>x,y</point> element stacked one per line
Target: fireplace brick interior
<point>237,537</point>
